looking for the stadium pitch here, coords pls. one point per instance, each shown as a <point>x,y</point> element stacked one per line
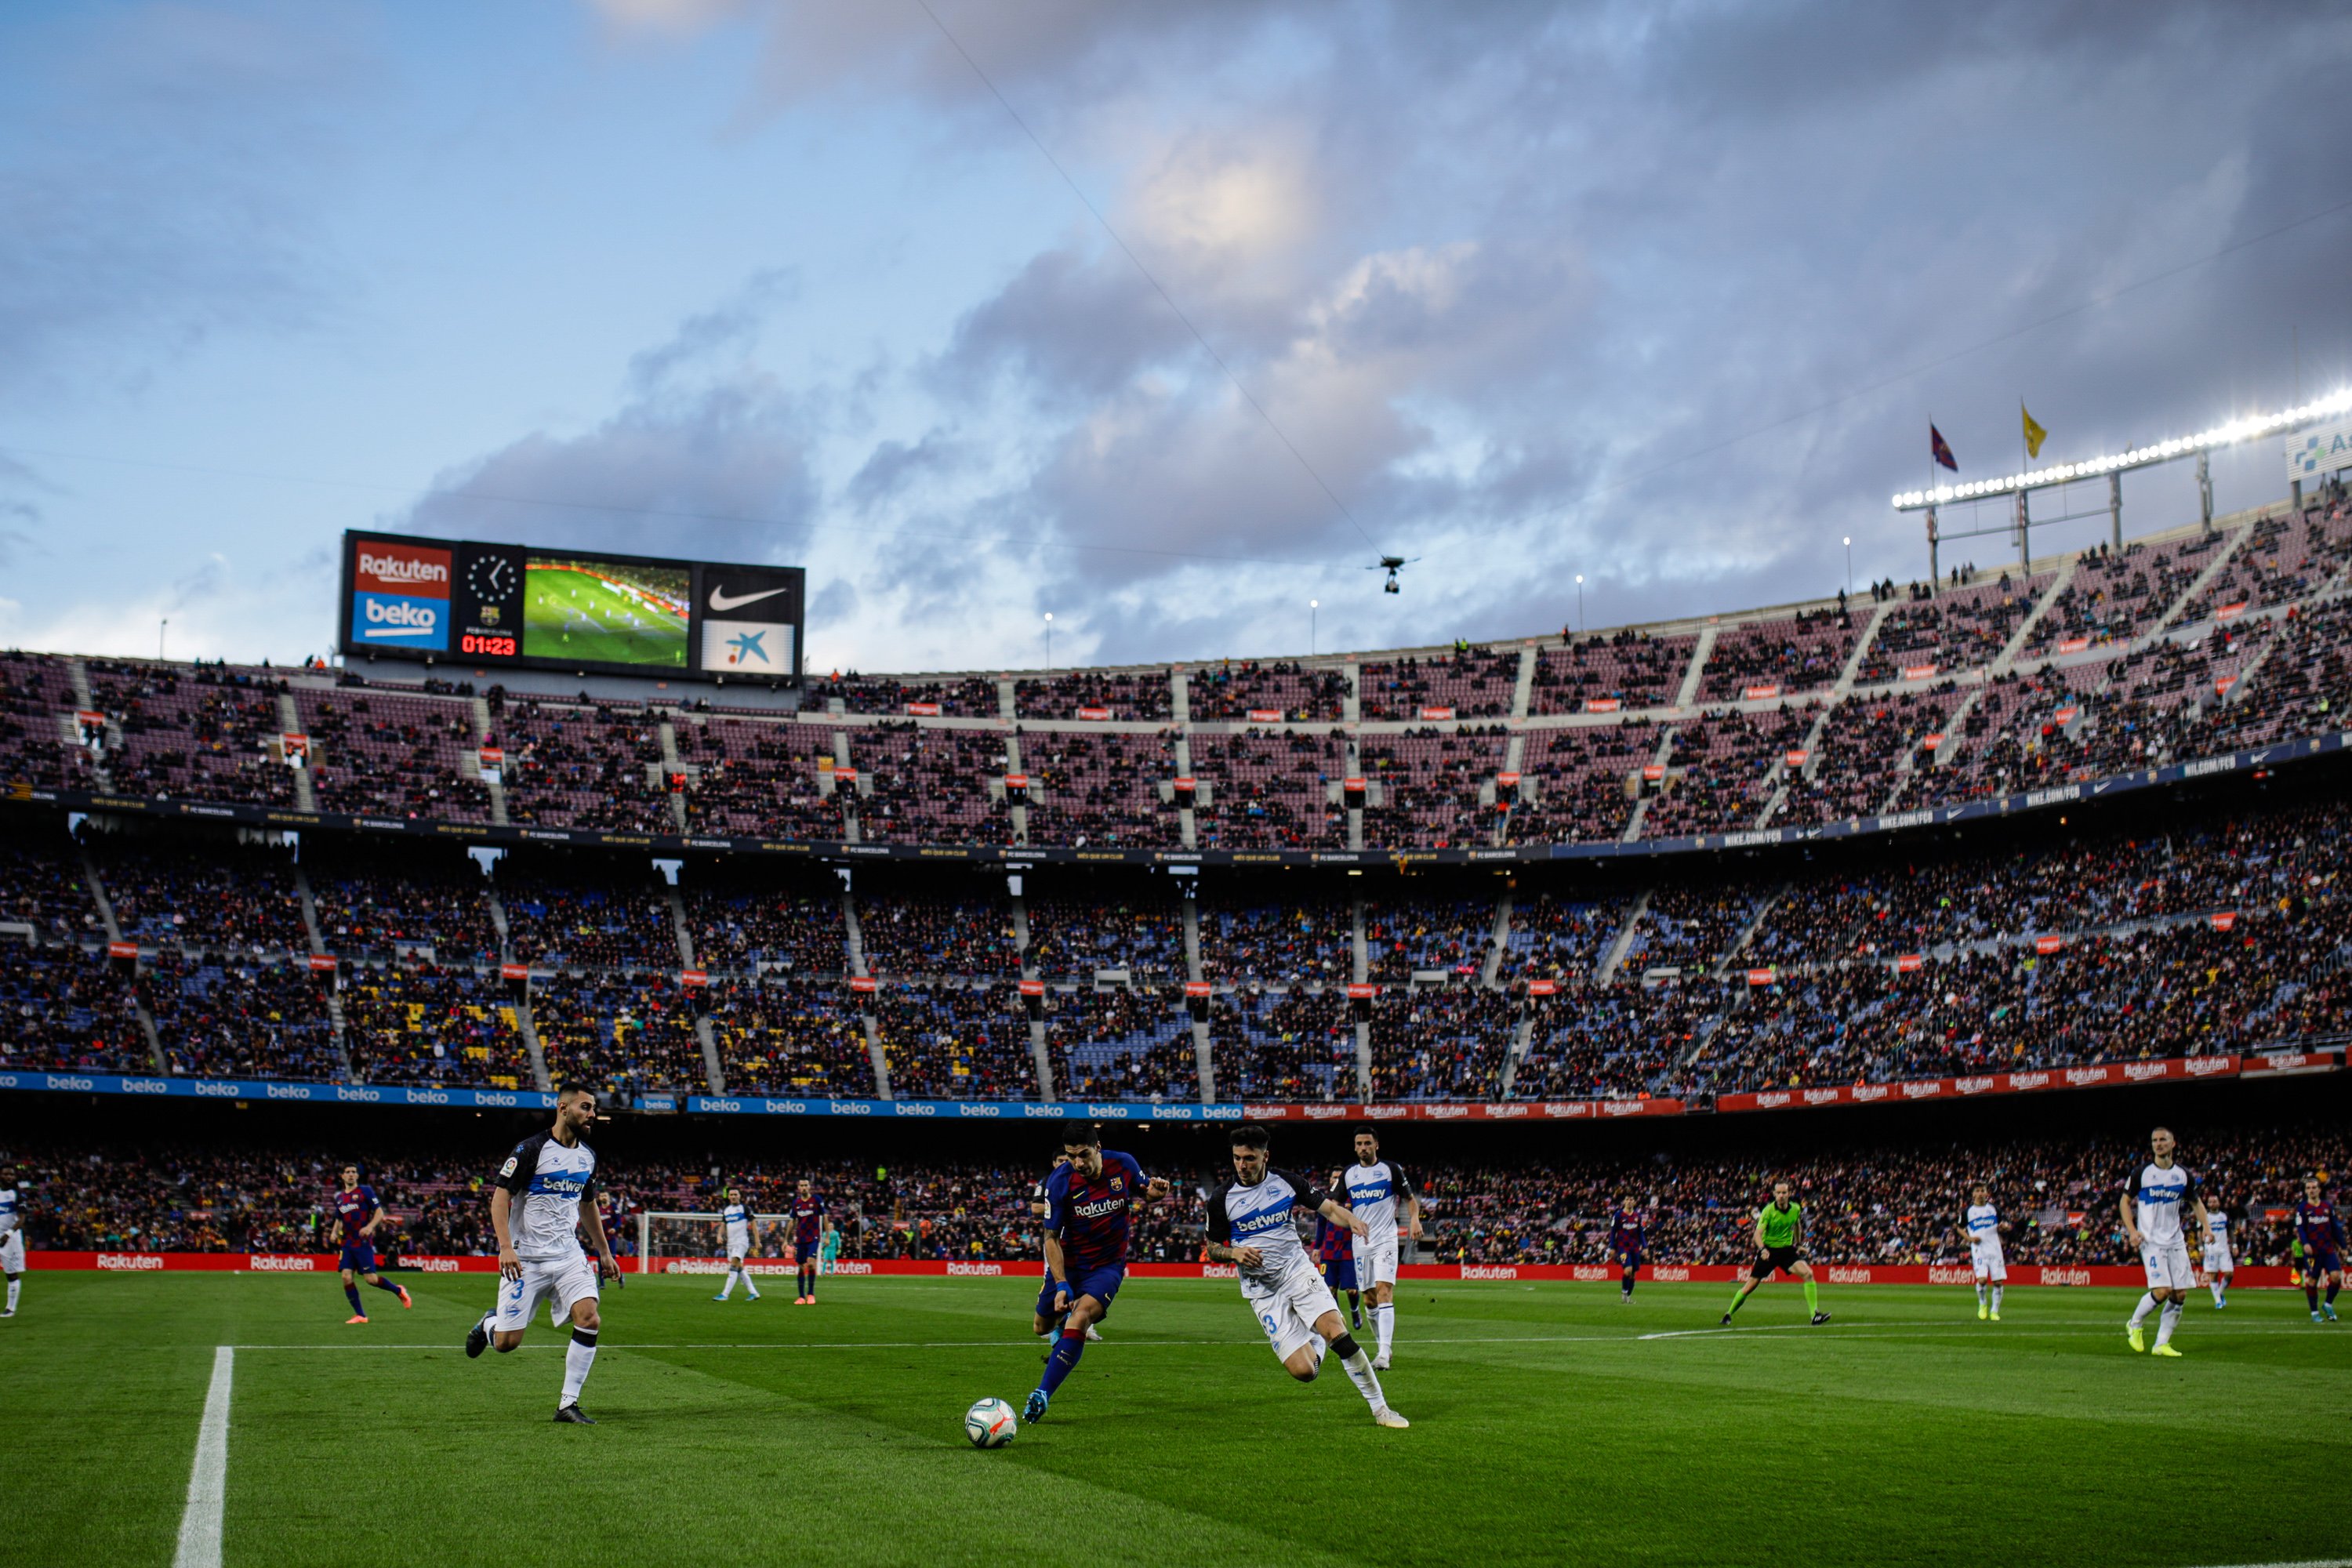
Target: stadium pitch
<point>1551,1425</point>
<point>577,614</point>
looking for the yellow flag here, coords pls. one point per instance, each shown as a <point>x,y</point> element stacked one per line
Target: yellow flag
<point>2034,434</point>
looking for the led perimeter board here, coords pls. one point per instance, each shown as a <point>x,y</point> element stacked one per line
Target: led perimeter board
<point>522,607</point>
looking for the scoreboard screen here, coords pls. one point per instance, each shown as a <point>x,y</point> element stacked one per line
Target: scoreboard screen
<point>520,607</point>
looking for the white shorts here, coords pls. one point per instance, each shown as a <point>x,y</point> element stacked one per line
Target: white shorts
<point>1988,1264</point>
<point>1289,1307</point>
<point>1376,1260</point>
<point>738,1244</point>
<point>2217,1261</point>
<point>12,1252</point>
<point>559,1281</point>
<point>2168,1266</point>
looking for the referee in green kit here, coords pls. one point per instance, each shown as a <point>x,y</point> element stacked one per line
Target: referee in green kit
<point>1780,1249</point>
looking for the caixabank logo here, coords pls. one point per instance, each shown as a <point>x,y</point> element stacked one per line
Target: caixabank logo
<point>400,594</point>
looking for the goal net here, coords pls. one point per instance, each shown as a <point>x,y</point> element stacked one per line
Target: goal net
<point>697,1244</point>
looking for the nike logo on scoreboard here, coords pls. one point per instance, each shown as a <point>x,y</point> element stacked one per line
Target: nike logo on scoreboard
<point>721,601</point>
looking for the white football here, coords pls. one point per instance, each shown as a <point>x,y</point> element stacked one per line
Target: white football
<point>991,1424</point>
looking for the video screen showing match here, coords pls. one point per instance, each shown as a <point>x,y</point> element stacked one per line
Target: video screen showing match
<point>599,611</point>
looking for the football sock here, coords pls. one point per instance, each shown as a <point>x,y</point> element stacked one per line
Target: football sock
<point>1066,1352</point>
<point>748,1289</point>
<point>2332,1289</point>
<point>2163,1325</point>
<point>2216,1287</point>
<point>728,1288</point>
<point>2311,1293</point>
<point>1384,1321</point>
<point>578,1357</point>
<point>1627,1281</point>
<point>1812,1297</point>
<point>1981,1292</point>
<point>13,1285</point>
<point>2140,1312</point>
<point>1996,1298</point>
<point>1738,1299</point>
<point>1358,1368</point>
<point>353,1292</point>
<point>380,1283</point>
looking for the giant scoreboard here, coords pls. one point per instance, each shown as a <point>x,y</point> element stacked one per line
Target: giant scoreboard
<point>523,606</point>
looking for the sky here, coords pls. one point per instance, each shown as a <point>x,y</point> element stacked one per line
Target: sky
<point>1164,320</point>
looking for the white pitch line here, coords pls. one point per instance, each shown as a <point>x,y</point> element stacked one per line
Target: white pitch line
<point>200,1526</point>
<point>2310,1563</point>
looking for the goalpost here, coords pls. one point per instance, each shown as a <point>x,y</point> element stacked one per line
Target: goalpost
<point>697,1244</point>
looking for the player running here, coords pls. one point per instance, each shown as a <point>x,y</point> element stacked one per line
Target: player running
<point>1047,1324</point>
<point>1375,1187</point>
<point>1628,1239</point>
<point>2317,1226</point>
<point>2152,1207</point>
<point>2219,1263</point>
<point>808,1239</point>
<point>1253,1225</point>
<point>359,1213</point>
<point>1780,1249</point>
<point>1981,1223</point>
<point>1335,1253</point>
<point>742,1239</point>
<point>1089,1208</point>
<point>11,1237</point>
<point>545,1196</point>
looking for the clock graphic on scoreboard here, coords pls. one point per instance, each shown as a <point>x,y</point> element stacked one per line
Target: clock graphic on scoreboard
<point>491,623</point>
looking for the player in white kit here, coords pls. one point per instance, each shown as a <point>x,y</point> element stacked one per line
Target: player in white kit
<point>2151,1205</point>
<point>1376,1187</point>
<point>1253,1225</point>
<point>2219,1263</point>
<point>1982,1223</point>
<point>743,1226</point>
<point>11,1237</point>
<point>544,1196</point>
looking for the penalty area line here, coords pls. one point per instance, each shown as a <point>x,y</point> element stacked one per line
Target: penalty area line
<point>200,1524</point>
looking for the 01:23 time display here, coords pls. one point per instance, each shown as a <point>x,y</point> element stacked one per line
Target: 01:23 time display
<point>490,647</point>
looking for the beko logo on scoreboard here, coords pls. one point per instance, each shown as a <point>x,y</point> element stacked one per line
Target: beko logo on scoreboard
<point>401,595</point>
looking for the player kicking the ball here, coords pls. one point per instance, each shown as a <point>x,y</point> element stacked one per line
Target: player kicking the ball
<point>1089,1207</point>
<point>2150,1205</point>
<point>359,1213</point>
<point>544,1196</point>
<point>1780,1249</point>
<point>1982,1222</point>
<point>742,1237</point>
<point>1253,1225</point>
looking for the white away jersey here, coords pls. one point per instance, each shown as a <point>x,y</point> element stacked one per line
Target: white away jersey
<point>11,1210</point>
<point>1374,1191</point>
<point>2220,1224</point>
<point>2160,1194</point>
<point>548,1183</point>
<point>1983,1221</point>
<point>1266,1216</point>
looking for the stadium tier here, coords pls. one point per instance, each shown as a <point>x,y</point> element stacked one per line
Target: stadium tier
<point>501,891</point>
<point>1866,1205</point>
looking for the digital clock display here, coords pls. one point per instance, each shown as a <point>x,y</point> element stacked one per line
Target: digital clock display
<point>489,647</point>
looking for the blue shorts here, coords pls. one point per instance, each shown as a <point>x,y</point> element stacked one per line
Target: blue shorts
<point>1629,1260</point>
<point>1340,1273</point>
<point>359,1256</point>
<point>1101,1282</point>
<point>2323,1263</point>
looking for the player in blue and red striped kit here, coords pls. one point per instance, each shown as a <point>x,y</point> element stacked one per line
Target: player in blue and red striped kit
<point>1089,1209</point>
<point>357,1211</point>
<point>2320,1232</point>
<point>1627,1241</point>
<point>808,1239</point>
<point>1335,1249</point>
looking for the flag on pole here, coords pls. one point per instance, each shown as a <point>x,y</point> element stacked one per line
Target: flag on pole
<point>1942,452</point>
<point>2034,434</point>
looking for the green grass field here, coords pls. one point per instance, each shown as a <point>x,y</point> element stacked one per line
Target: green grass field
<point>571,615</point>
<point>1547,1428</point>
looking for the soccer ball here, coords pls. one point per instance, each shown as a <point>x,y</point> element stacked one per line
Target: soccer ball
<point>991,1424</point>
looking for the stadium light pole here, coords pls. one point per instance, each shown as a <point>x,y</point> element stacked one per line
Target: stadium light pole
<point>1312,605</point>
<point>1049,642</point>
<point>1849,565</point>
<point>1579,600</point>
<point>160,633</point>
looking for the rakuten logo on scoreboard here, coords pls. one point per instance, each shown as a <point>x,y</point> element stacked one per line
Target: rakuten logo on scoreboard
<point>400,594</point>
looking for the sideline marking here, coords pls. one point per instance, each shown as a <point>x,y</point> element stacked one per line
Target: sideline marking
<point>200,1526</point>
<point>2310,1562</point>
